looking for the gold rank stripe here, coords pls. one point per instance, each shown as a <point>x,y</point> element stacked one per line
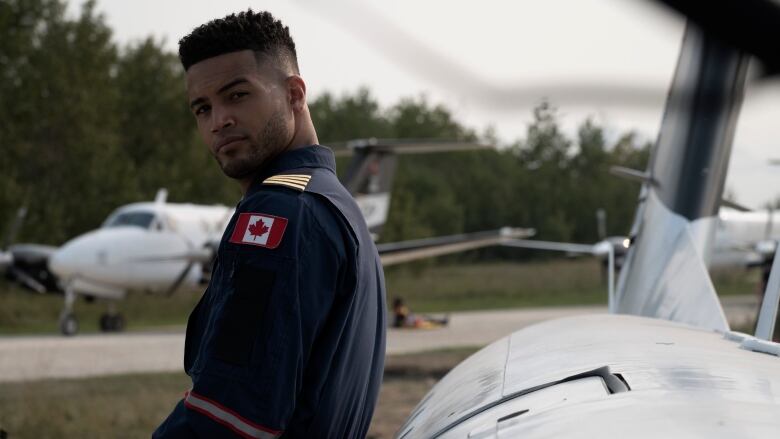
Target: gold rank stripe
<point>282,183</point>
<point>294,181</point>
<point>303,178</point>
<point>287,180</point>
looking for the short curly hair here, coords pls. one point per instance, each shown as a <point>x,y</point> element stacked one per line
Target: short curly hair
<point>257,31</point>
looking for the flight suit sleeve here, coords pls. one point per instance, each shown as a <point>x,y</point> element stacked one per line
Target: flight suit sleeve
<point>266,322</point>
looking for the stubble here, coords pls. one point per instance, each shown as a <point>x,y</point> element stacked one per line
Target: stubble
<point>262,149</point>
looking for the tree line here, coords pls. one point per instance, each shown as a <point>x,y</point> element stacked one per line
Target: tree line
<point>90,125</point>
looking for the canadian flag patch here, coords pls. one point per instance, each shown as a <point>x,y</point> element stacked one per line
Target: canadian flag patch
<point>259,229</point>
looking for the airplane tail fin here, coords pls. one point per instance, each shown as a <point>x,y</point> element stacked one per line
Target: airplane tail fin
<point>370,173</point>
<point>369,179</point>
<point>665,272</point>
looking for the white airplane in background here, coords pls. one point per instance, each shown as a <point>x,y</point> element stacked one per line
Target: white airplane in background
<point>160,247</point>
<point>664,362</point>
<point>744,238</point>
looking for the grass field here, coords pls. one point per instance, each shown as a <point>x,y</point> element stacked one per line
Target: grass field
<point>426,288</point>
<point>132,406</point>
<point>25,312</point>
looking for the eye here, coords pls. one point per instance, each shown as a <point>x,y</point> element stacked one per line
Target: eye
<point>203,109</point>
<point>237,95</point>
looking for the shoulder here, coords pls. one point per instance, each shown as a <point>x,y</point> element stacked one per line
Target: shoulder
<point>293,192</point>
<point>309,215</point>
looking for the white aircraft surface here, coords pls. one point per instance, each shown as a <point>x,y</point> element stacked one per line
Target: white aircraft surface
<point>664,362</point>
<point>160,247</point>
<point>743,237</point>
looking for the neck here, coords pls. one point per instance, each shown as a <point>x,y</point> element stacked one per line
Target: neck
<point>307,136</point>
<point>244,184</point>
<point>304,135</point>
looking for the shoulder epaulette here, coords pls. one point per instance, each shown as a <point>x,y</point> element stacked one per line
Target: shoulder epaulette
<point>293,181</point>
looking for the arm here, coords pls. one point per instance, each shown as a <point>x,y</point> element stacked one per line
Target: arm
<point>275,303</point>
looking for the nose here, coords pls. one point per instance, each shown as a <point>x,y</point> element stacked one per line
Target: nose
<point>220,120</point>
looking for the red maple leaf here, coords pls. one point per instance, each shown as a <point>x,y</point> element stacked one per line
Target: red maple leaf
<point>258,228</point>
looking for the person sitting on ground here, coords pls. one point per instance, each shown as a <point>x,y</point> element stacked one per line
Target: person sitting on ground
<point>403,318</point>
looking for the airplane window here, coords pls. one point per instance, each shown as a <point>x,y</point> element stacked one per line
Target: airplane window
<point>138,219</point>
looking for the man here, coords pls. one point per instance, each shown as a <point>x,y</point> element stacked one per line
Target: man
<point>289,338</point>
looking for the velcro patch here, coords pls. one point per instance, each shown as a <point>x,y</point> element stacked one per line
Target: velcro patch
<point>259,229</point>
<point>244,310</point>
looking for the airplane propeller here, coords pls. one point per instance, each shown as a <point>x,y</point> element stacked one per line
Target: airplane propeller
<point>11,255</point>
<point>204,255</point>
<point>6,255</point>
<point>14,227</point>
<point>179,279</point>
<point>26,263</point>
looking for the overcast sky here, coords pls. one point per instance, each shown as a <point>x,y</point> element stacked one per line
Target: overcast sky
<point>490,62</point>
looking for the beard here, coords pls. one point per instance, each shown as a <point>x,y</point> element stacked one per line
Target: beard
<point>260,151</point>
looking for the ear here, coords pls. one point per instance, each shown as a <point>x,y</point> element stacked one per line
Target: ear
<point>296,93</point>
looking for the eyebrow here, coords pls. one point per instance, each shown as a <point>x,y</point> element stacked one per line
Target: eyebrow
<point>225,87</point>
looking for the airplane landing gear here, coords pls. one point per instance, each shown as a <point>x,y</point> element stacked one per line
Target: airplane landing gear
<point>68,323</point>
<point>112,322</point>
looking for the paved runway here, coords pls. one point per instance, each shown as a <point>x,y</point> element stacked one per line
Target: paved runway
<point>25,358</point>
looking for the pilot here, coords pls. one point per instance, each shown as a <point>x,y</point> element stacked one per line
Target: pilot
<point>289,337</point>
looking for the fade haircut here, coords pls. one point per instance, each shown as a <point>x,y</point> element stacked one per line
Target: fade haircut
<point>259,32</point>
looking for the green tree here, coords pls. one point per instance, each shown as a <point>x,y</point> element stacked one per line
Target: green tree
<point>89,127</point>
<point>424,203</point>
<point>544,176</point>
<point>157,132</point>
<point>351,116</point>
<point>63,154</point>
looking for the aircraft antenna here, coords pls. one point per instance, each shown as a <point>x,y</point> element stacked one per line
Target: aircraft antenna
<point>162,195</point>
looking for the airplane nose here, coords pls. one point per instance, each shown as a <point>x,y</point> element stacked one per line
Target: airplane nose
<point>65,261</point>
<point>77,256</point>
<point>102,256</point>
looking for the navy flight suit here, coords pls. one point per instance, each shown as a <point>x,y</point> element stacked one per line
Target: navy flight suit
<point>289,338</point>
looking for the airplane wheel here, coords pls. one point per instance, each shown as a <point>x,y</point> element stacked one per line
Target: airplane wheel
<point>118,322</point>
<point>112,322</point>
<point>69,325</point>
<point>105,322</point>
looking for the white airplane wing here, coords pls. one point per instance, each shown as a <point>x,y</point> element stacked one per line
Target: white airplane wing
<point>405,251</point>
<point>551,245</point>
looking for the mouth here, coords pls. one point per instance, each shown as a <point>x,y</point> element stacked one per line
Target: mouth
<point>228,142</point>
